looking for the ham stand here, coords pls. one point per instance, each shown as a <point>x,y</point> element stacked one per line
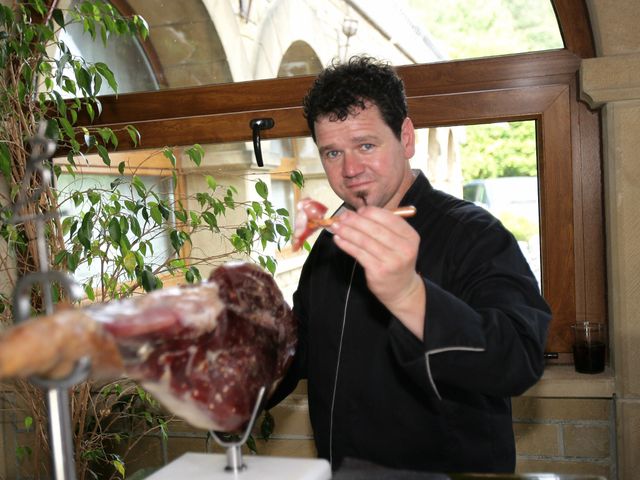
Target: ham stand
<point>56,392</point>
<point>211,466</point>
<point>234,449</point>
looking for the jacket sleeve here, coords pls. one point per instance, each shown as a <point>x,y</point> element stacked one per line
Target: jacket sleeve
<point>485,322</point>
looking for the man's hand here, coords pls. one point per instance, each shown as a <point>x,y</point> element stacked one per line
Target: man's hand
<point>387,247</point>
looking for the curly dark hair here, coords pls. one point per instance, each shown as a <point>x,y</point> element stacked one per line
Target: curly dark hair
<point>343,88</point>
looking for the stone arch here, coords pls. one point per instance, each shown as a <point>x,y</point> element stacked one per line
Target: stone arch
<point>278,32</point>
<point>299,59</point>
<point>188,40</point>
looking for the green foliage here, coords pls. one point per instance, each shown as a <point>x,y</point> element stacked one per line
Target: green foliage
<point>480,28</point>
<point>123,414</point>
<point>117,228</point>
<point>297,179</point>
<point>23,453</point>
<point>499,150</point>
<point>38,69</point>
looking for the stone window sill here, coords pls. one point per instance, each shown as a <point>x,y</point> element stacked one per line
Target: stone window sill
<point>564,381</point>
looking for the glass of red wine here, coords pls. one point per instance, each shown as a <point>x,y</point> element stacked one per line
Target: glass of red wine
<point>589,346</point>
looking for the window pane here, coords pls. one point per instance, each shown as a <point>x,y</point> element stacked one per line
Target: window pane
<point>194,43</point>
<point>494,166</point>
<point>481,28</point>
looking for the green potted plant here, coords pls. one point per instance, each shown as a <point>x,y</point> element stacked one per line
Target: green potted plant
<point>113,225</point>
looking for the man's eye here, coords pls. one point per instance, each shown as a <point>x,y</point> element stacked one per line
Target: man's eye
<point>331,155</point>
<point>367,146</point>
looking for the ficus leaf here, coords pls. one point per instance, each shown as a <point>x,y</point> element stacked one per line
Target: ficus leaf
<point>149,281</point>
<point>195,153</point>
<point>90,111</point>
<point>282,230</point>
<point>124,225</point>
<point>83,79</point>
<point>211,220</point>
<point>115,231</point>
<point>72,262</point>
<point>139,186</point>
<point>266,426</point>
<point>167,152</point>
<point>60,103</point>
<point>104,154</point>
<point>134,134</point>
<point>135,226</point>
<point>5,162</point>
<point>130,262</point>
<point>66,127</point>
<point>58,17</point>
<point>297,178</point>
<point>88,289</point>
<point>105,134</point>
<point>93,196</point>
<point>262,189</point>
<point>181,215</point>
<point>156,214</point>
<point>119,465</point>
<point>212,183</point>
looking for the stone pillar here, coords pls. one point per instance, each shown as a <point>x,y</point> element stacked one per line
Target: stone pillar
<point>612,81</point>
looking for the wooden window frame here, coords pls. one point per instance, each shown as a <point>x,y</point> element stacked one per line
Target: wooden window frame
<point>540,86</point>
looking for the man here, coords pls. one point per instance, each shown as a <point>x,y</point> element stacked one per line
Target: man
<point>413,334</point>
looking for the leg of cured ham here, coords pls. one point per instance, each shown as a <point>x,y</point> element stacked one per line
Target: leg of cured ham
<point>204,351</point>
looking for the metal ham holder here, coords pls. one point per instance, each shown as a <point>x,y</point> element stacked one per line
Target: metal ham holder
<point>213,466</point>
<point>57,391</point>
<point>235,463</point>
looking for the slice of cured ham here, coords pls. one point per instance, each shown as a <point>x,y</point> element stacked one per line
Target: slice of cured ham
<point>204,351</point>
<point>310,217</point>
<point>308,213</point>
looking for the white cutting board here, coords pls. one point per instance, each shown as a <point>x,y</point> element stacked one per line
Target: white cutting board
<point>210,466</point>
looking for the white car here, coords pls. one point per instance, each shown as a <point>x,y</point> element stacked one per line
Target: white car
<point>517,195</point>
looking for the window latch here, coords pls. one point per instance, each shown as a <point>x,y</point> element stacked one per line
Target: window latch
<point>258,124</point>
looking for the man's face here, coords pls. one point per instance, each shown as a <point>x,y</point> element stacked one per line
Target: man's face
<point>364,161</point>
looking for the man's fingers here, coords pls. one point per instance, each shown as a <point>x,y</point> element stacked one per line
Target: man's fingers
<point>375,230</point>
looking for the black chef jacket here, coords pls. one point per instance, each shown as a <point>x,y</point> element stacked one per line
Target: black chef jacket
<point>378,393</point>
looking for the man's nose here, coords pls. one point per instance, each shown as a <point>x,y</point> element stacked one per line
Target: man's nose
<point>352,165</point>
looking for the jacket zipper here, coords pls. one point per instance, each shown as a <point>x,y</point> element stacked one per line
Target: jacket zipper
<point>335,381</point>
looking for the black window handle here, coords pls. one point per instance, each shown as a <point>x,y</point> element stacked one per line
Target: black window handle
<point>256,125</point>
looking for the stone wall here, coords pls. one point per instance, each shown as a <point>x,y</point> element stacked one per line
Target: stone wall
<point>570,435</point>
<point>565,435</point>
<point>611,81</point>
<point>555,431</point>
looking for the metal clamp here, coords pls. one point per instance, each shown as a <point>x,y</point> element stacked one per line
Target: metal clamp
<point>235,463</point>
